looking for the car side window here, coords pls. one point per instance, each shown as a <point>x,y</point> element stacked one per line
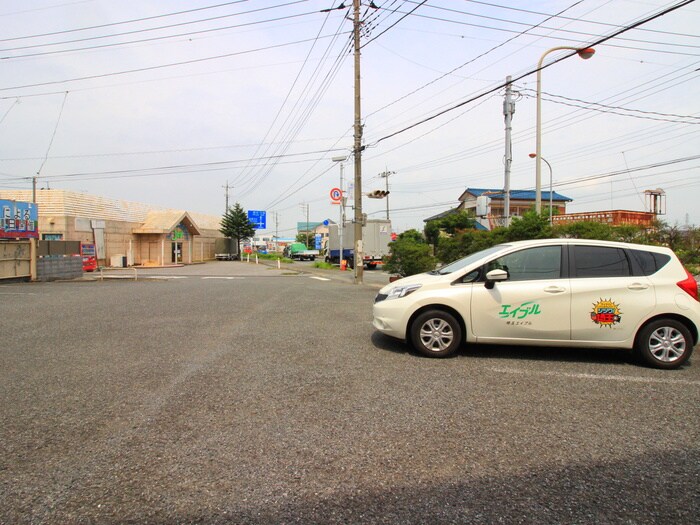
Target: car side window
<point>600,261</point>
<point>471,276</point>
<point>649,262</point>
<point>542,262</point>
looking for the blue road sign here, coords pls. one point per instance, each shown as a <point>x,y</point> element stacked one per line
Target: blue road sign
<point>258,218</point>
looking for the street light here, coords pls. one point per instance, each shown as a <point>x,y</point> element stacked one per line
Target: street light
<point>532,156</point>
<point>585,53</point>
<point>341,222</point>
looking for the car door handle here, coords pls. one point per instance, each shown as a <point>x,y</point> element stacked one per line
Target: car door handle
<point>638,286</point>
<point>554,289</point>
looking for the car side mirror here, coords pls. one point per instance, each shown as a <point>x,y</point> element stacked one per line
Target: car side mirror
<point>494,276</point>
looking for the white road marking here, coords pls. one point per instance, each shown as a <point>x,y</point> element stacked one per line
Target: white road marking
<point>603,377</point>
<point>226,278</point>
<point>166,277</point>
<point>319,278</point>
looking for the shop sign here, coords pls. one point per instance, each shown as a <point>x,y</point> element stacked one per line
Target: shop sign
<point>19,220</point>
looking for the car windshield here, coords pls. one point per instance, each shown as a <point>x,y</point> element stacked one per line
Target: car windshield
<point>460,264</point>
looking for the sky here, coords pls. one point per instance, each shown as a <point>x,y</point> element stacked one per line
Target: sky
<point>182,104</point>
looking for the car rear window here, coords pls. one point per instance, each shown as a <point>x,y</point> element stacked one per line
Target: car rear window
<point>650,262</point>
<point>600,261</point>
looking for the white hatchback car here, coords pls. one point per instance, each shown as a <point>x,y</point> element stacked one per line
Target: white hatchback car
<point>551,292</point>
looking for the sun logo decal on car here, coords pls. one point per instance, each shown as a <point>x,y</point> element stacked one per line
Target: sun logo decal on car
<point>606,313</point>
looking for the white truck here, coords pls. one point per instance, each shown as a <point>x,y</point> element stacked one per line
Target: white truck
<point>376,236</point>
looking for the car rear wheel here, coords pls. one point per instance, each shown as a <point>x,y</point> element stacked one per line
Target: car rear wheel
<point>664,343</point>
<point>436,334</point>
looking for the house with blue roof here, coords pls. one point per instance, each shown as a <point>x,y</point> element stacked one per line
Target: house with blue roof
<point>491,210</point>
<point>520,202</point>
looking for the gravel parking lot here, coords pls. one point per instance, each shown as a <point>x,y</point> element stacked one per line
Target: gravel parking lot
<point>227,395</point>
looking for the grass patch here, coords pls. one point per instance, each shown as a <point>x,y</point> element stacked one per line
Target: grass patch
<point>323,265</point>
<point>267,257</point>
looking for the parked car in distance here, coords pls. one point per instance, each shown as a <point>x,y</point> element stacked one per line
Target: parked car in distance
<point>551,292</point>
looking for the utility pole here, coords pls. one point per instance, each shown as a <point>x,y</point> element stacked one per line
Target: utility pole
<point>357,149</point>
<point>357,146</point>
<point>227,188</point>
<point>508,111</point>
<point>385,175</point>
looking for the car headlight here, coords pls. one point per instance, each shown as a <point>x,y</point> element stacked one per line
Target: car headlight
<point>402,291</point>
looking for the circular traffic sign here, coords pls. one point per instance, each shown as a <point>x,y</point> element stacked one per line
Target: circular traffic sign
<point>336,194</point>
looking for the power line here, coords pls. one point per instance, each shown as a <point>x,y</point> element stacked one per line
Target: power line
<point>162,66</point>
<point>112,24</point>
<point>394,24</point>
<point>147,81</point>
<point>223,163</point>
<point>143,152</point>
<point>514,22</point>
<point>510,8</point>
<point>566,121</point>
<point>286,194</point>
<point>299,116</point>
<point>626,171</point>
<point>88,176</point>
<point>289,93</point>
<point>15,103</point>
<point>470,61</point>
<point>523,75</point>
<point>53,135</point>
<point>615,110</point>
<point>152,39</point>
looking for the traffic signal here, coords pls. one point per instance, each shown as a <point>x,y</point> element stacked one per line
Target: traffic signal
<point>378,194</point>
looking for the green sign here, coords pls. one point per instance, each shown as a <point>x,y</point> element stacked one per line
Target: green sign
<point>519,312</point>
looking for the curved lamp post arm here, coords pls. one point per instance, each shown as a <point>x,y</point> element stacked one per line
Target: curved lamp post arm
<point>585,53</point>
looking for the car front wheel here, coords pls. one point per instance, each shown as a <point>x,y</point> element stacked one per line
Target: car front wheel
<point>436,334</point>
<point>664,344</point>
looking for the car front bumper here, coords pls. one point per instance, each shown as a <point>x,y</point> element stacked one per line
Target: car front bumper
<point>390,318</point>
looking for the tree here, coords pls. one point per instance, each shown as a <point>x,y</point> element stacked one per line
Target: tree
<point>531,225</point>
<point>585,230</point>
<point>470,241</point>
<point>409,255</point>
<point>235,224</point>
<point>303,237</point>
<point>457,222</point>
<point>411,235</point>
<point>451,224</point>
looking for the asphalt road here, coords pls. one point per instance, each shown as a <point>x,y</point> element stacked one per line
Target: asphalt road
<point>232,393</point>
